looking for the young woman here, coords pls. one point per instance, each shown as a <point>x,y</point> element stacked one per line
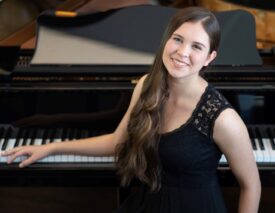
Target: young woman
<point>175,130</point>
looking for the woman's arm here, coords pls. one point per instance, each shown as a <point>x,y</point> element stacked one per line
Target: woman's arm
<point>97,146</point>
<point>230,134</point>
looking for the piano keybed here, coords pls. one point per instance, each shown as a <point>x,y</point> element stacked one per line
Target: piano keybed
<point>262,141</point>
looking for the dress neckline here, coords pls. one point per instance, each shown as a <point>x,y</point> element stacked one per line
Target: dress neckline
<point>192,114</point>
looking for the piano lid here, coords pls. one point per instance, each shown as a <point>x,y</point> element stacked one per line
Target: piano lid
<point>131,36</point>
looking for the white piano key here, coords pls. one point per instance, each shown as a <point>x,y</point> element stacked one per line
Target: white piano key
<point>85,159</point>
<point>91,159</point>
<point>259,152</point>
<point>78,158</point>
<point>267,144</point>
<point>97,159</point>
<point>1,142</point>
<point>223,160</point>
<point>44,160</point>
<point>265,152</point>
<point>71,159</point>
<point>37,142</point>
<point>51,158</point>
<point>20,159</point>
<point>28,141</point>
<point>20,142</point>
<point>10,145</point>
<point>254,151</point>
<point>111,159</point>
<point>57,158</point>
<point>104,159</point>
<point>48,159</point>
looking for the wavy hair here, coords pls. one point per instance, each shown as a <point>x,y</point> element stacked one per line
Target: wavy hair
<point>137,157</point>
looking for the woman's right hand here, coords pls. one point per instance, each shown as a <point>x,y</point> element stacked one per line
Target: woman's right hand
<point>32,154</point>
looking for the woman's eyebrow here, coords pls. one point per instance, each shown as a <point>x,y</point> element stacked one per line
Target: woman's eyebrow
<point>175,34</point>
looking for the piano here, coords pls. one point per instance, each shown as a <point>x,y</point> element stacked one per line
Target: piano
<point>44,100</point>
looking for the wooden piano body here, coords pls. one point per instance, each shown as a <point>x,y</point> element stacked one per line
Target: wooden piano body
<point>44,102</point>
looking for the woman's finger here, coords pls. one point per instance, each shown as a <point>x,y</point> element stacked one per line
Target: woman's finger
<point>12,157</point>
<point>27,162</point>
<point>10,151</point>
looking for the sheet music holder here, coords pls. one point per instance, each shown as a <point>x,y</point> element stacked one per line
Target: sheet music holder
<point>131,36</point>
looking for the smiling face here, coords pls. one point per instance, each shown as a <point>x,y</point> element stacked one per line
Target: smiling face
<point>187,50</point>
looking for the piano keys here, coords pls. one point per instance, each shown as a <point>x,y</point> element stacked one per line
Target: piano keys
<point>14,137</point>
<point>262,140</point>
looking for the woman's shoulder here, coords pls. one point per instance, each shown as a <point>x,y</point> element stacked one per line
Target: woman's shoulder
<point>141,80</point>
<point>227,119</point>
<point>138,88</point>
<point>228,125</point>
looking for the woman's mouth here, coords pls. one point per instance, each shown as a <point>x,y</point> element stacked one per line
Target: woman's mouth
<point>178,63</point>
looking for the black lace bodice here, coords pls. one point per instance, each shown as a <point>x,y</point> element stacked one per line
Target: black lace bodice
<point>190,148</point>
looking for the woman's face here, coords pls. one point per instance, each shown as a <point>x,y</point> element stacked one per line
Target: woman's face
<point>187,50</point>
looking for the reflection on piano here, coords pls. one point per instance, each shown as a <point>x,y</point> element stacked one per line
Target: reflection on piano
<point>51,103</point>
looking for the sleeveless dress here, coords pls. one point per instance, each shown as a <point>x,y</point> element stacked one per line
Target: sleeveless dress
<point>189,160</point>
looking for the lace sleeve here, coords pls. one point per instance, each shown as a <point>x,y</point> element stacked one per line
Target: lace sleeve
<point>212,105</point>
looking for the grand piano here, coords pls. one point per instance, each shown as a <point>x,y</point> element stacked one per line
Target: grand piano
<point>77,83</point>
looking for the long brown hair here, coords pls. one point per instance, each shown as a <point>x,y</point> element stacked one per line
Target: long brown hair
<point>138,156</point>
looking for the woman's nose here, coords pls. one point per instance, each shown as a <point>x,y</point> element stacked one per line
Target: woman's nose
<point>183,50</point>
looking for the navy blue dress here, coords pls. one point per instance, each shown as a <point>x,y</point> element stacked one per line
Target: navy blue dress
<point>189,160</point>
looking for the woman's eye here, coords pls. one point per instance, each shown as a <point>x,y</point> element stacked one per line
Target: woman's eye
<point>177,39</point>
<point>197,47</point>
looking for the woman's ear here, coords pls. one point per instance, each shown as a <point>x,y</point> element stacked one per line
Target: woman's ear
<point>210,58</point>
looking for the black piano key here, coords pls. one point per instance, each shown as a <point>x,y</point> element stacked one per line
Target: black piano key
<point>2,136</point>
<point>2,130</point>
<point>58,134</point>
<point>18,137</point>
<point>78,133</point>
<point>25,136</point>
<point>32,136</point>
<point>64,134</point>
<point>52,135</point>
<point>7,137</point>
<point>259,135</point>
<point>84,134</point>
<point>69,134</point>
<point>252,137</point>
<point>271,136</point>
<point>45,136</point>
<point>74,134</point>
<point>39,135</point>
<point>93,133</point>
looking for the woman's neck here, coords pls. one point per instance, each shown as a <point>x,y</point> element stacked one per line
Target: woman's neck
<point>186,88</point>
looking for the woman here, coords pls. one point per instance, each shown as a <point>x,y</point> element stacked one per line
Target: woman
<point>175,130</point>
